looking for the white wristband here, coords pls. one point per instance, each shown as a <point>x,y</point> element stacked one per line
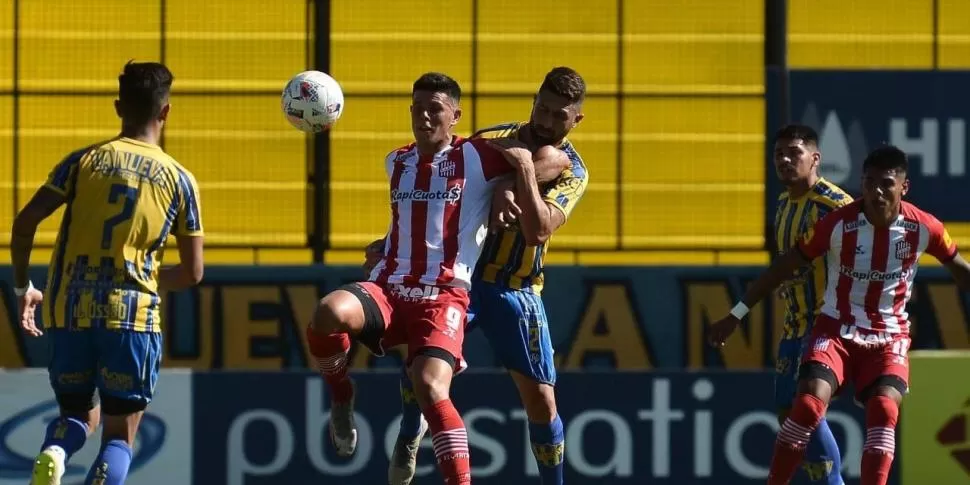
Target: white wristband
<point>740,310</point>
<point>23,291</point>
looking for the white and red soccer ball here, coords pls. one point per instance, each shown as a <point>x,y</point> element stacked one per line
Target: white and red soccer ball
<point>312,101</point>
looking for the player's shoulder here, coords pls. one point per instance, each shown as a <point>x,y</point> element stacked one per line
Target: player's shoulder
<point>846,213</point>
<point>912,213</point>
<point>829,195</point>
<point>501,130</point>
<point>400,153</point>
<point>577,167</point>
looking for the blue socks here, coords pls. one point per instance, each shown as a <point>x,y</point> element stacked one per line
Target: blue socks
<point>823,463</point>
<point>68,433</point>
<point>547,446</point>
<point>410,411</point>
<point>111,467</point>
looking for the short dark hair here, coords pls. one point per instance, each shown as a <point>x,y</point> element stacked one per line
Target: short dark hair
<point>143,88</point>
<point>804,133</point>
<point>566,82</point>
<point>437,82</point>
<point>887,157</point>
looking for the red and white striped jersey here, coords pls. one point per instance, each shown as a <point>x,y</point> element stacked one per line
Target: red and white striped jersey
<point>439,210</point>
<point>871,269</point>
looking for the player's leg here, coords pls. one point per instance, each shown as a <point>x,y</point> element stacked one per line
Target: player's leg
<point>823,462</point>
<point>519,332</point>
<point>72,370</point>
<point>820,375</point>
<point>435,336</point>
<point>351,310</point>
<point>403,462</point>
<point>128,364</point>
<point>883,378</point>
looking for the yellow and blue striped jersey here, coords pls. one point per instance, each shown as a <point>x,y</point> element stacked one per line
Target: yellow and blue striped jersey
<point>124,197</point>
<point>793,218</point>
<point>506,259</point>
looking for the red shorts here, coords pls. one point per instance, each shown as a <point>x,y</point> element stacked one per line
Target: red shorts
<point>423,317</point>
<point>859,357</point>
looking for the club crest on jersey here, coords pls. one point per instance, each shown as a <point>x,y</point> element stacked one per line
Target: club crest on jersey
<point>903,250</point>
<point>446,168</point>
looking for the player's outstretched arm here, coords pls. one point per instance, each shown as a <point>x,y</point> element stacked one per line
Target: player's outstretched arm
<point>779,271</point>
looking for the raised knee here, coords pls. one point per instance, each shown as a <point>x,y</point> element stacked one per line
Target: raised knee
<point>336,313</point>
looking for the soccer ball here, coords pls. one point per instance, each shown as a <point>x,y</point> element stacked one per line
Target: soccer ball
<point>312,101</point>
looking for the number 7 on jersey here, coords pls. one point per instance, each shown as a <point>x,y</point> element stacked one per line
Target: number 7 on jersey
<point>130,195</point>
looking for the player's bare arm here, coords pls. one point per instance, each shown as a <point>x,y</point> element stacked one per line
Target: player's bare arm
<point>549,163</point>
<point>40,207</point>
<point>537,219</point>
<point>779,271</point>
<point>373,253</point>
<point>190,269</point>
<point>960,270</point>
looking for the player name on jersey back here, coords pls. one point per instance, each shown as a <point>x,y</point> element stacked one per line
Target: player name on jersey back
<point>124,198</point>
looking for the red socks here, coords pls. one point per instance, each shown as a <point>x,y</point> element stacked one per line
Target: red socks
<point>882,413</point>
<point>807,411</point>
<point>330,352</point>
<point>450,442</point>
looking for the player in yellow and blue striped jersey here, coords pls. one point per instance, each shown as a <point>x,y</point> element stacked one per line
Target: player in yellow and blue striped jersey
<point>508,280</point>
<point>808,197</point>
<point>123,198</point>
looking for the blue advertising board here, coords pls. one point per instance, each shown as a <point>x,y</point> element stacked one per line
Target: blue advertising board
<point>923,112</point>
<point>621,428</point>
<point>626,318</point>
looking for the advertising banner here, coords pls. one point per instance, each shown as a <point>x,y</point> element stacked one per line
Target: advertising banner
<point>161,455</point>
<point>621,429</point>
<point>616,318</point>
<point>936,419</point>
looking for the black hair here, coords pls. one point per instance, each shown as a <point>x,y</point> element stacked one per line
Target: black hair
<point>804,133</point>
<point>437,82</point>
<point>566,82</point>
<point>887,157</point>
<point>143,88</point>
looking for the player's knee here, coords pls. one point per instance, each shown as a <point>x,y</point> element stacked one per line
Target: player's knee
<point>817,380</point>
<point>539,402</point>
<point>338,312</point>
<point>431,378</point>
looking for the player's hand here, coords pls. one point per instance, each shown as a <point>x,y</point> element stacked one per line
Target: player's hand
<point>721,330</point>
<point>28,311</point>
<point>514,151</point>
<point>372,255</point>
<point>505,211</point>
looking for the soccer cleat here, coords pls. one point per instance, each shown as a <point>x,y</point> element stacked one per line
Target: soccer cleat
<point>343,429</point>
<point>49,466</point>
<point>404,458</point>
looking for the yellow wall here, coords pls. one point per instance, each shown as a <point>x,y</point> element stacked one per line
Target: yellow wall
<point>674,148</point>
<point>673,137</point>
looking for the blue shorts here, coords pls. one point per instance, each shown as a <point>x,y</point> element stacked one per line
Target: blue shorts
<point>786,371</point>
<point>515,324</point>
<point>120,363</point>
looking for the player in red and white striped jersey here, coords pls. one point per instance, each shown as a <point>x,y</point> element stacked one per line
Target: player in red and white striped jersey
<point>417,295</point>
<point>862,334</point>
